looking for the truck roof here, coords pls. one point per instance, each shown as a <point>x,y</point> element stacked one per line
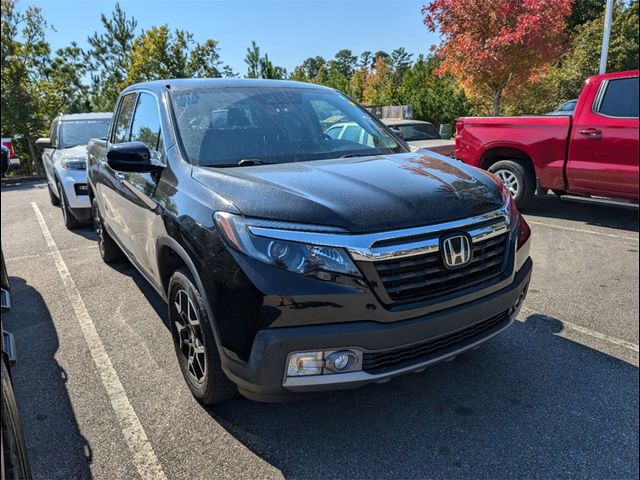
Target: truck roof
<point>85,116</point>
<point>195,83</point>
<point>606,76</point>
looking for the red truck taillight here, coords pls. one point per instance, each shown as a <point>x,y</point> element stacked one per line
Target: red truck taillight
<point>9,145</point>
<point>459,126</point>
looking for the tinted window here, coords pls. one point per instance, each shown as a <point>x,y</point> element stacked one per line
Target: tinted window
<point>221,126</point>
<point>418,131</point>
<point>146,122</point>
<point>621,98</point>
<point>125,112</point>
<point>79,132</point>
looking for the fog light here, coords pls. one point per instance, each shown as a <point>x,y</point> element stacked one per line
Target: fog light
<point>305,363</point>
<point>340,361</point>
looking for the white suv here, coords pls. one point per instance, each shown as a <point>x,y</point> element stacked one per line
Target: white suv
<point>65,162</point>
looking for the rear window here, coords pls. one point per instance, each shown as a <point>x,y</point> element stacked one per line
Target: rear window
<point>418,131</point>
<point>620,98</point>
<point>220,127</point>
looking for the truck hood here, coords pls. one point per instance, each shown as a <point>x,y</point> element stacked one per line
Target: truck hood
<point>359,194</point>
<point>79,152</point>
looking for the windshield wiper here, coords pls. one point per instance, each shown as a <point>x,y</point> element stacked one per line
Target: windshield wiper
<point>353,155</point>
<point>247,162</point>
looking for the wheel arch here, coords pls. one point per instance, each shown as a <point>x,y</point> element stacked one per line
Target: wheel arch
<point>171,255</point>
<point>516,154</point>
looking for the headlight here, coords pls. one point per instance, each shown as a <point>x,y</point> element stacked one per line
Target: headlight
<point>73,164</point>
<point>302,258</point>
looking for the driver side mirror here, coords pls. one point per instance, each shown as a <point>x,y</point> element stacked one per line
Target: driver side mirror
<point>131,157</point>
<point>397,132</point>
<point>44,142</point>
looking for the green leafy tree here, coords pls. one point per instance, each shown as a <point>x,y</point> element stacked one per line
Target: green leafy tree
<point>565,78</point>
<point>252,59</point>
<point>435,98</point>
<point>162,53</point>
<point>345,62</point>
<point>26,93</point>
<point>380,88</point>
<point>110,57</point>
<point>260,66</point>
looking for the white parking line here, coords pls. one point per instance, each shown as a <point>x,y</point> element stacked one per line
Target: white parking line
<point>592,333</point>
<point>144,458</point>
<point>582,230</point>
<point>26,257</point>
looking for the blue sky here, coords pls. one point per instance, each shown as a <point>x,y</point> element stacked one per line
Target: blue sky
<point>288,30</point>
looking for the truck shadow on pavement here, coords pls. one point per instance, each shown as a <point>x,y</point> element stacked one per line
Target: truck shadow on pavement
<point>55,446</point>
<point>527,404</point>
<point>615,217</point>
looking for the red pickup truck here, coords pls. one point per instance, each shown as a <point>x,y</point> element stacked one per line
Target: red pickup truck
<point>594,152</point>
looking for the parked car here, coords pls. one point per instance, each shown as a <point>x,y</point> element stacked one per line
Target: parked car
<point>65,162</point>
<point>295,262</point>
<point>14,463</point>
<point>566,108</point>
<point>5,160</point>
<point>422,135</point>
<point>13,162</point>
<point>594,152</point>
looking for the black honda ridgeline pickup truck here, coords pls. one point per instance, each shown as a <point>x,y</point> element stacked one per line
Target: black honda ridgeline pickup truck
<point>300,245</point>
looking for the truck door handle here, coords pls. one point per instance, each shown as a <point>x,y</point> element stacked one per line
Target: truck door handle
<point>119,175</point>
<point>590,132</point>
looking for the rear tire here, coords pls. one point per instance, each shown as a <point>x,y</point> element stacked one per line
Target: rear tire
<point>518,180</point>
<point>69,220</point>
<point>108,248</point>
<point>194,342</point>
<point>55,201</point>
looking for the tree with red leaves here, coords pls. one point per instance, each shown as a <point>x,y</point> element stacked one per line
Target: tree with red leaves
<point>490,45</point>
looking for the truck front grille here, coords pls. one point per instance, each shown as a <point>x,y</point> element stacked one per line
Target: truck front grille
<point>425,276</point>
<point>377,362</point>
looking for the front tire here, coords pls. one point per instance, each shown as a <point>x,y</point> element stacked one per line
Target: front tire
<point>194,343</point>
<point>69,220</point>
<point>108,248</point>
<point>518,180</point>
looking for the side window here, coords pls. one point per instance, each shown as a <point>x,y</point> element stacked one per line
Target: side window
<point>125,112</point>
<point>621,98</point>
<point>146,123</point>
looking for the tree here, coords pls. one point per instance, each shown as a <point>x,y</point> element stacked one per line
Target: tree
<point>565,78</point>
<point>162,53</point>
<point>345,63</point>
<point>252,59</point>
<point>400,62</point>
<point>26,94</point>
<point>261,67</point>
<point>380,87</point>
<point>110,57</point>
<point>491,44</point>
<point>435,98</point>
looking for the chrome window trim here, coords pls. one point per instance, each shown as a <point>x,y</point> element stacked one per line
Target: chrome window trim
<point>362,247</point>
<point>602,91</point>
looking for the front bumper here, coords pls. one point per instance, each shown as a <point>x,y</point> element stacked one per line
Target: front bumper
<point>262,377</point>
<point>79,203</point>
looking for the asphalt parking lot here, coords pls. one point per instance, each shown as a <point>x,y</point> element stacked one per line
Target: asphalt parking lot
<point>555,396</point>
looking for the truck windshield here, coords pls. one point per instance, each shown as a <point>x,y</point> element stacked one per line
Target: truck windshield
<point>227,126</point>
<point>79,132</point>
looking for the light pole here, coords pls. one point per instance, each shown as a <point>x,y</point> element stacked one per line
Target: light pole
<point>605,36</point>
